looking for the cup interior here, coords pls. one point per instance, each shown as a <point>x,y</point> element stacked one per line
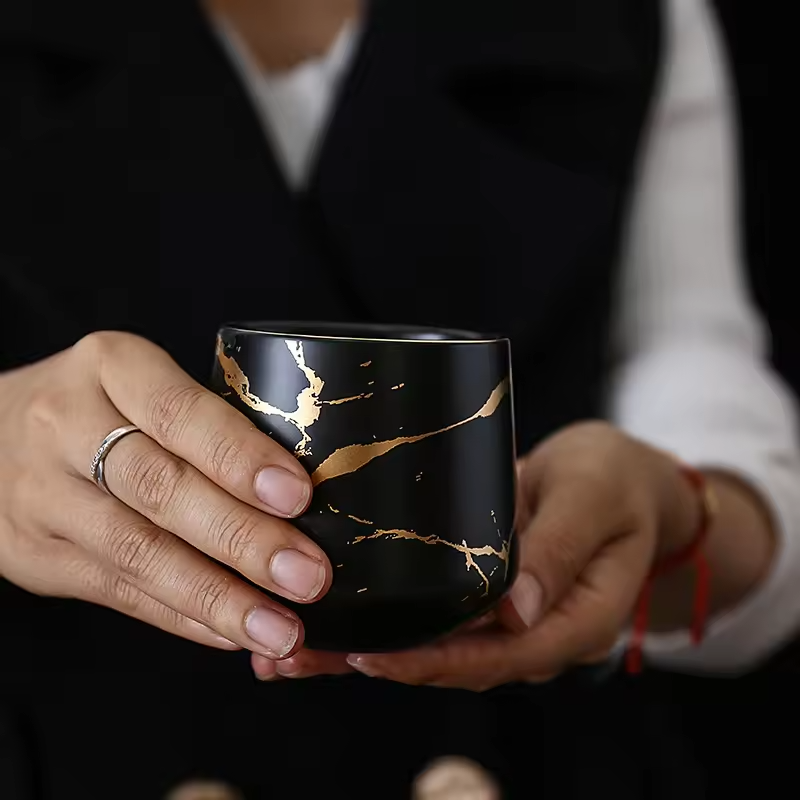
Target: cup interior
<point>346,331</point>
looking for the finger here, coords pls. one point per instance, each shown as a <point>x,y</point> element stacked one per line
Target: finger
<point>178,498</point>
<point>104,587</point>
<point>304,664</point>
<point>265,669</point>
<point>66,570</point>
<point>486,620</point>
<point>70,571</point>
<point>587,625</point>
<point>477,661</point>
<point>150,390</point>
<point>173,573</point>
<point>588,620</point>
<point>482,624</point>
<point>571,523</point>
<point>310,663</point>
<point>524,502</point>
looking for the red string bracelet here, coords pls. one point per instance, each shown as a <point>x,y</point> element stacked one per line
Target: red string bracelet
<point>691,554</point>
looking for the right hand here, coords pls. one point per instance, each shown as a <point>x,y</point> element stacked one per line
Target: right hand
<point>199,479</point>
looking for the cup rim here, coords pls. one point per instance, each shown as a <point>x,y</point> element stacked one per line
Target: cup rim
<point>295,330</point>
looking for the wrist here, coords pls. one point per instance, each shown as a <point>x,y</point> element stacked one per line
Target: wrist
<point>688,512</point>
<point>681,509</point>
<point>739,550</point>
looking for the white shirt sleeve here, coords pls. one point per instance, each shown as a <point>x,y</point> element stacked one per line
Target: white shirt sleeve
<point>693,375</point>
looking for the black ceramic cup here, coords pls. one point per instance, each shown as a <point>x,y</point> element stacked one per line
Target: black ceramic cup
<point>408,435</point>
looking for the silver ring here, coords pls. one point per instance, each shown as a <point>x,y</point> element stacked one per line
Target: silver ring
<point>97,471</point>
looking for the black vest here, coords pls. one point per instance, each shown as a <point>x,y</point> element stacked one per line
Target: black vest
<point>475,175</point>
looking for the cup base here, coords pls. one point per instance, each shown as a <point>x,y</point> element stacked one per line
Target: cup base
<point>385,627</point>
<point>369,624</point>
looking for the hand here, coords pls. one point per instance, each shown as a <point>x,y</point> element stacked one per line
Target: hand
<point>595,507</point>
<point>199,479</point>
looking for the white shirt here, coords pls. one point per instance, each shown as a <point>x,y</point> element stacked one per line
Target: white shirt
<point>692,373</point>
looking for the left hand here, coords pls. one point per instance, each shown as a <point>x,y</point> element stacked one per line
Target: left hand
<point>595,508</point>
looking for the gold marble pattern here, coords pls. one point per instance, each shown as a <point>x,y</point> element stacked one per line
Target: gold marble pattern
<point>355,456</point>
<point>470,553</point>
<point>364,396</point>
<point>308,402</point>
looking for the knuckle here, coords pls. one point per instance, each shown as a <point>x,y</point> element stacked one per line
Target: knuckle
<point>79,580</point>
<point>92,346</point>
<point>98,345</point>
<point>113,589</point>
<point>136,550</point>
<point>156,479</point>
<point>170,410</point>
<point>209,595</point>
<point>46,409</point>
<point>102,586</point>
<point>225,456</point>
<point>234,534</point>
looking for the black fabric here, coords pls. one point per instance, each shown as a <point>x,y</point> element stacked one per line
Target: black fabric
<point>17,757</point>
<point>475,175</point>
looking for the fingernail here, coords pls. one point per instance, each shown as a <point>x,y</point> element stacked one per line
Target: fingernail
<point>298,573</point>
<point>363,665</point>
<point>526,597</point>
<point>272,631</point>
<point>282,491</point>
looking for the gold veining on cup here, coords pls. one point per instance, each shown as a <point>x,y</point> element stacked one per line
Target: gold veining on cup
<point>355,456</point>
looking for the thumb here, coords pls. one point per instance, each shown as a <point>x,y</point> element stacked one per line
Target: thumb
<point>560,540</point>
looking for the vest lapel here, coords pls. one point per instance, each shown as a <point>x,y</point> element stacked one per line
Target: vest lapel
<point>475,168</point>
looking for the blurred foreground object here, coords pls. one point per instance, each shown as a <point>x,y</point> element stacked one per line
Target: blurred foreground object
<point>455,779</point>
<point>204,790</point>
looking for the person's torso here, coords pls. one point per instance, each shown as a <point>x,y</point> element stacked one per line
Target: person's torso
<point>473,174</point>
